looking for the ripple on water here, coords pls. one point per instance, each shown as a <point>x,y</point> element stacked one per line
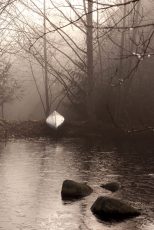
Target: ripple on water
<point>32,172</point>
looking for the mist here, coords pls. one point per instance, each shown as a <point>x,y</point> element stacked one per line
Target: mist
<point>77,114</point>
<point>66,57</point>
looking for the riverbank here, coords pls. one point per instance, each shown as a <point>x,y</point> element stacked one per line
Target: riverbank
<point>107,134</point>
<point>41,129</point>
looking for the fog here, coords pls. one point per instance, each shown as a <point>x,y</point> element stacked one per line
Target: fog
<point>28,107</point>
<point>86,67</point>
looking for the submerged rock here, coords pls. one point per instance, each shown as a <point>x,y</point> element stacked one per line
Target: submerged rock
<point>74,190</point>
<point>113,209</point>
<point>113,186</point>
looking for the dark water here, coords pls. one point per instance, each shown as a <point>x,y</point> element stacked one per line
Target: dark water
<point>32,172</point>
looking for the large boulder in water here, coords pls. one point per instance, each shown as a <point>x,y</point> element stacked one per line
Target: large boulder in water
<point>108,209</point>
<point>112,186</point>
<point>74,190</point>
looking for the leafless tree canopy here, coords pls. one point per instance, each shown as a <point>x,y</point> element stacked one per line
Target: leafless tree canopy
<point>90,50</point>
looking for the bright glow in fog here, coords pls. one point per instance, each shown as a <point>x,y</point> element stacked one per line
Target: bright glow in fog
<point>55,120</point>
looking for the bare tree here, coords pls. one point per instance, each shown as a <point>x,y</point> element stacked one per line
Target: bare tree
<point>80,42</point>
<point>9,87</point>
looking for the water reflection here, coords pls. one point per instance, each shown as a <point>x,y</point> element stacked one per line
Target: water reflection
<point>32,172</point>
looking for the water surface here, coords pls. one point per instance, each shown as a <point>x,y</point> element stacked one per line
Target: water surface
<point>31,176</point>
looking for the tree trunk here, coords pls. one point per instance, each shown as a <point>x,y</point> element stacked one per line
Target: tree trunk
<point>46,65</point>
<point>90,69</point>
<point>2,108</point>
<point>119,103</point>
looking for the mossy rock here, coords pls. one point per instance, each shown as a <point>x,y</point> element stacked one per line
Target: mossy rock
<point>74,190</point>
<point>108,209</point>
<point>112,186</point>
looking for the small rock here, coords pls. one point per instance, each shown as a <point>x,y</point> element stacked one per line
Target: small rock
<point>74,190</point>
<point>113,186</point>
<point>113,209</point>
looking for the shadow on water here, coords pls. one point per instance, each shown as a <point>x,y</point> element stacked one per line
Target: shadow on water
<point>32,173</point>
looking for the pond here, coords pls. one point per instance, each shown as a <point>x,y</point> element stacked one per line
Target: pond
<point>32,173</point>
